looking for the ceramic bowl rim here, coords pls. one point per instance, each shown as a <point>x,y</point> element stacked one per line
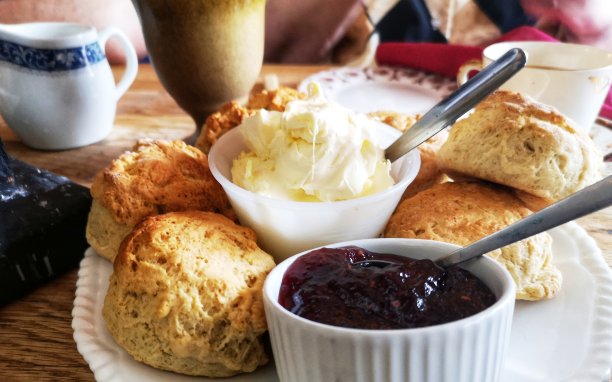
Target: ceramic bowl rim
<point>602,54</point>
<point>83,34</point>
<point>507,296</point>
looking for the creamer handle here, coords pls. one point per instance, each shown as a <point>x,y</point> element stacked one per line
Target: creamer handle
<point>131,59</point>
<point>465,69</point>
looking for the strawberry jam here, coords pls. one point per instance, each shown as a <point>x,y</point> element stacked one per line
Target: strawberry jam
<point>337,286</point>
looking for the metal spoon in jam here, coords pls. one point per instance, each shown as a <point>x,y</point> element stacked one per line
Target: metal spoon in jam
<point>583,202</point>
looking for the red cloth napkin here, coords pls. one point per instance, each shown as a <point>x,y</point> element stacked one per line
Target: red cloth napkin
<point>445,59</point>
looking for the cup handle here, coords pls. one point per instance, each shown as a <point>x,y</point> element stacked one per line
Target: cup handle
<point>131,59</point>
<point>465,69</point>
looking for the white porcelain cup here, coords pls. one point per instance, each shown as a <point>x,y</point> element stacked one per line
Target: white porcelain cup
<point>573,78</point>
<point>57,90</point>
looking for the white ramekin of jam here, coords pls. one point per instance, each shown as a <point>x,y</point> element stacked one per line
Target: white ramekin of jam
<point>334,317</point>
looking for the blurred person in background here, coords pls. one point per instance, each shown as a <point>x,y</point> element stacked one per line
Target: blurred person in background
<point>347,31</point>
<point>342,31</point>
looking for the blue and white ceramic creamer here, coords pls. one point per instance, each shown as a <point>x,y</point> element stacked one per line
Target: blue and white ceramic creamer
<point>57,90</point>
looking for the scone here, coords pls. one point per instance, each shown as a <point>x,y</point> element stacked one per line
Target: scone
<point>229,116</point>
<point>513,140</point>
<point>429,173</point>
<point>154,178</point>
<point>275,99</point>
<point>399,121</point>
<point>463,212</point>
<point>232,114</point>
<point>186,295</point>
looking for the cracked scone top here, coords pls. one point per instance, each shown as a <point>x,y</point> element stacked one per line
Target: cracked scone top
<point>185,295</point>
<point>463,212</point>
<point>513,140</point>
<point>155,177</point>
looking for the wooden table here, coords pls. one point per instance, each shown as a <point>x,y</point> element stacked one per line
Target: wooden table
<point>35,332</point>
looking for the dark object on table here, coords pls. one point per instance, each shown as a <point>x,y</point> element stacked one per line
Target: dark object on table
<point>42,226</point>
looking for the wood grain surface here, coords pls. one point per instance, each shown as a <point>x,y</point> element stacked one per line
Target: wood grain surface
<point>36,342</point>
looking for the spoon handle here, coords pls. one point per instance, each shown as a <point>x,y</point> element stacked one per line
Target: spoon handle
<point>447,111</point>
<point>583,202</point>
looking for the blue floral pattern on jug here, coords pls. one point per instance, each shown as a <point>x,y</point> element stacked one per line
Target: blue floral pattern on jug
<point>51,60</point>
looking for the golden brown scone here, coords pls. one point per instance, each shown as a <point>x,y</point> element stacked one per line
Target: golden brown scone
<point>399,121</point>
<point>513,140</point>
<point>274,100</point>
<point>154,178</point>
<point>534,203</point>
<point>186,295</point>
<point>232,113</point>
<point>429,173</point>
<point>463,212</point>
<point>229,116</point>
<point>103,232</point>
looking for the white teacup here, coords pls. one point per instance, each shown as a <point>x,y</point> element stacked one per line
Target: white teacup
<point>573,78</point>
<point>57,90</point>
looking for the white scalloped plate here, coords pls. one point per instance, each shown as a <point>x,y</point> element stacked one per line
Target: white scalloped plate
<point>382,88</point>
<point>567,338</point>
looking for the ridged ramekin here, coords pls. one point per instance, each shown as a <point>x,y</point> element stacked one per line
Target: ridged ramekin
<point>467,350</point>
